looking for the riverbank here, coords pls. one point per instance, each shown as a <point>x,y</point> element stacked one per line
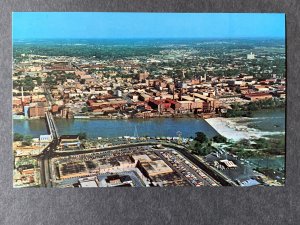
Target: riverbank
<point>264,155</point>
<point>140,116</point>
<point>123,117</point>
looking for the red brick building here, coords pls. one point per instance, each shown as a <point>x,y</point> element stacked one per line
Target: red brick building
<point>257,96</point>
<point>37,111</point>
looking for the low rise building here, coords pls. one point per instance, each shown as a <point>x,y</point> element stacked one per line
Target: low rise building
<point>69,140</point>
<point>37,111</point>
<point>154,168</point>
<point>257,96</point>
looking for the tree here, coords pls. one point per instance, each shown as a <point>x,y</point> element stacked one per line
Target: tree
<point>18,137</point>
<point>82,135</point>
<point>219,139</point>
<point>39,81</point>
<point>84,109</point>
<point>28,84</point>
<point>244,142</point>
<point>50,80</point>
<point>201,137</point>
<point>262,143</point>
<point>27,140</point>
<point>202,148</point>
<point>197,147</point>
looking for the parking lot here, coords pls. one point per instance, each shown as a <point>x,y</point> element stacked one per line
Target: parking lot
<point>180,164</point>
<point>186,169</point>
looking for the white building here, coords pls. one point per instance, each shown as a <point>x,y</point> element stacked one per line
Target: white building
<point>250,56</point>
<point>46,138</point>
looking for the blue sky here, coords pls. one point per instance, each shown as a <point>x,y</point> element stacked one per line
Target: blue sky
<point>51,25</point>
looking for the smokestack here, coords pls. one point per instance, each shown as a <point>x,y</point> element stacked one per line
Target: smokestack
<point>174,93</point>
<point>216,90</point>
<point>22,90</point>
<point>174,86</point>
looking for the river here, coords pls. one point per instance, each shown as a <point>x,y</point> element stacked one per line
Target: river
<point>266,120</point>
<point>116,128</point>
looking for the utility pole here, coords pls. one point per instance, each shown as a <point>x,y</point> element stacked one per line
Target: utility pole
<point>22,90</point>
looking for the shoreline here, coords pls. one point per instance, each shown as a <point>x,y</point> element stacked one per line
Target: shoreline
<point>87,117</point>
<point>235,128</point>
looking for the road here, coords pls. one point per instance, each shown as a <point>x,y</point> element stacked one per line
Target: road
<point>224,181</point>
<point>50,152</point>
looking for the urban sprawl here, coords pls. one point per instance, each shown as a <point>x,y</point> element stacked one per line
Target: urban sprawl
<point>196,80</point>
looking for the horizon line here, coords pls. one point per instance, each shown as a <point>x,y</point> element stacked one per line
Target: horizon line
<point>149,38</point>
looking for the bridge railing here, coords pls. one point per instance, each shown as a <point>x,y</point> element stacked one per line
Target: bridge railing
<point>51,125</point>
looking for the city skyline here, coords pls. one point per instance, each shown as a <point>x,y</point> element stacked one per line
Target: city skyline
<point>81,25</point>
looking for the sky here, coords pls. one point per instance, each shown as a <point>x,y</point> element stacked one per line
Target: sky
<point>80,25</point>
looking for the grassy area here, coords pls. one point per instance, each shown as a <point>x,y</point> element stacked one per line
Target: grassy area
<point>259,147</point>
<point>26,161</point>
